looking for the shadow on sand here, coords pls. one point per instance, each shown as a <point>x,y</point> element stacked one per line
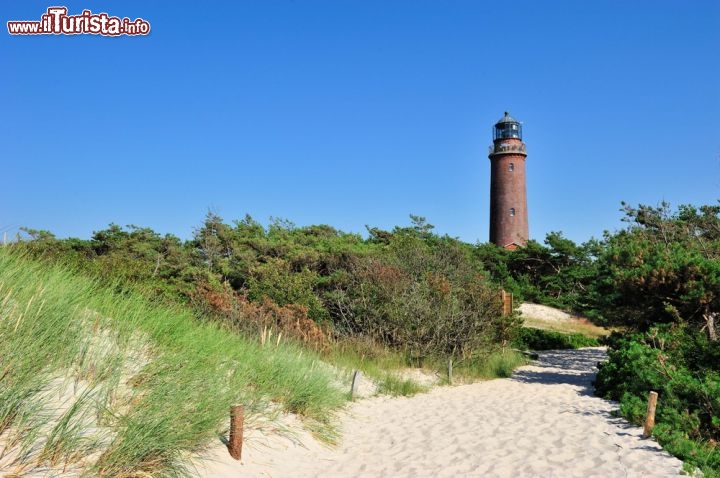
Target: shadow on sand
<point>578,369</point>
<point>571,367</point>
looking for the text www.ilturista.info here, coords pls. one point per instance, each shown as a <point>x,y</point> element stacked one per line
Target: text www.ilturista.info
<point>57,22</point>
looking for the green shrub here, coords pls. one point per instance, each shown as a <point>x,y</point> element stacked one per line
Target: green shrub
<point>275,279</point>
<point>424,315</point>
<point>538,339</point>
<point>681,366</point>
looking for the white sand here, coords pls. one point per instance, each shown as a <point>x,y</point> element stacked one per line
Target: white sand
<point>543,422</point>
<point>544,313</point>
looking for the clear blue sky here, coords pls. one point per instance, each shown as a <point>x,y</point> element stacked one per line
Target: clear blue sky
<point>350,113</point>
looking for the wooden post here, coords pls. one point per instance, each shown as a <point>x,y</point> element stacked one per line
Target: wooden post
<point>507,301</point>
<point>650,417</point>
<point>237,418</point>
<point>450,371</point>
<point>357,375</point>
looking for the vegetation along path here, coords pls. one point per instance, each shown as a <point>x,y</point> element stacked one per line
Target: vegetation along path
<point>544,421</point>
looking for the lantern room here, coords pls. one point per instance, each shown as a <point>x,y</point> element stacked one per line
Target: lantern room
<point>507,127</point>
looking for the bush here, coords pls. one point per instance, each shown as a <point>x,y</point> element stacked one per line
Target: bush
<point>538,339</point>
<point>275,279</point>
<point>424,314</point>
<point>682,366</point>
<point>253,318</point>
<point>407,289</point>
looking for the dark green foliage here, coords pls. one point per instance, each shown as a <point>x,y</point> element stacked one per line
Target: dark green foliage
<point>276,280</point>
<point>136,255</point>
<point>537,339</point>
<point>555,274</point>
<point>684,368</point>
<point>665,268</point>
<point>661,277</point>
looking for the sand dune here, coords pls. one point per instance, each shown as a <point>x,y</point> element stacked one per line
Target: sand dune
<point>542,422</point>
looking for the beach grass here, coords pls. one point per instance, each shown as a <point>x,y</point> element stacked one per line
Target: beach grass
<point>396,385</point>
<point>485,366</point>
<point>108,381</point>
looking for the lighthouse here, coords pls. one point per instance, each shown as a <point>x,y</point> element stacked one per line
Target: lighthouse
<point>508,196</point>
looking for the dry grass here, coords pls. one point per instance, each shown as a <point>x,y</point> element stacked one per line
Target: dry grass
<point>569,326</point>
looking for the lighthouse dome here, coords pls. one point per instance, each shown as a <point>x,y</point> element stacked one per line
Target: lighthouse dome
<point>507,119</point>
<point>507,127</point>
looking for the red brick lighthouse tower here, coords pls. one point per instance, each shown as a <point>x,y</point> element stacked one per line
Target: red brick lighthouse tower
<point>508,198</point>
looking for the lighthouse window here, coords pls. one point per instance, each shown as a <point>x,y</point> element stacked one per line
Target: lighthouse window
<point>512,211</point>
<point>511,167</point>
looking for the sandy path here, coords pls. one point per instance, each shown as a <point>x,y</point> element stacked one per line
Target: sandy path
<point>543,422</point>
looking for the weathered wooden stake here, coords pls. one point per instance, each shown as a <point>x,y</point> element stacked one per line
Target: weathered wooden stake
<point>507,301</point>
<point>237,418</point>
<point>450,371</point>
<point>650,417</point>
<point>357,375</point>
